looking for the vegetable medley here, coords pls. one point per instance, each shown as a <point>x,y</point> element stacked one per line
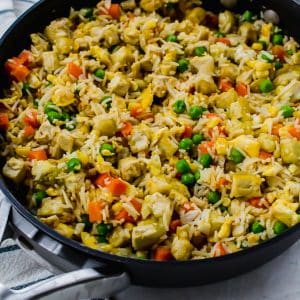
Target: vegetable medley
<point>157,130</point>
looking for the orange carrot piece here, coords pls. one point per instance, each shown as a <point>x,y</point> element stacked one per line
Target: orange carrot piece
<point>4,121</point>
<point>294,132</point>
<point>264,155</point>
<point>279,52</point>
<point>241,89</point>
<point>136,204</point>
<point>187,206</point>
<point>16,70</point>
<point>95,211</point>
<point>24,57</point>
<point>275,129</point>
<point>162,254</point>
<point>203,147</point>
<point>255,202</point>
<point>222,182</point>
<point>74,70</point>
<point>117,186</point>
<point>126,129</point>
<point>31,119</point>
<point>219,250</point>
<point>29,130</point>
<point>115,11</point>
<point>124,215</point>
<point>136,110</point>
<point>188,131</point>
<point>223,40</point>
<point>211,115</point>
<point>225,84</point>
<point>37,155</point>
<point>103,180</point>
<point>173,225</point>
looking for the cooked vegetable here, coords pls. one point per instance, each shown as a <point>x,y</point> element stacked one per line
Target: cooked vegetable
<point>179,107</point>
<point>182,166</point>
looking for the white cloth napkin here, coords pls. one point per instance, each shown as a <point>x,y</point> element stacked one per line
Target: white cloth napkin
<point>17,269</point>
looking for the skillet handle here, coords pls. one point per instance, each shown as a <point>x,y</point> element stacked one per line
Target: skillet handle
<point>80,284</point>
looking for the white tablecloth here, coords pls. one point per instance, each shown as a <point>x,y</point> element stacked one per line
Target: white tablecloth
<point>277,280</point>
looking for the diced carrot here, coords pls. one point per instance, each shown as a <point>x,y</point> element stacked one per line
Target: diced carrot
<point>31,118</point>
<point>203,147</point>
<point>187,206</point>
<point>4,121</point>
<point>188,131</point>
<point>225,84</point>
<point>162,254</point>
<point>241,89</point>
<point>16,70</point>
<point>222,182</point>
<point>74,70</point>
<point>95,211</point>
<point>126,129</point>
<point>173,225</point>
<point>117,186</point>
<point>264,155</point>
<point>294,131</point>
<point>275,129</point>
<point>223,40</point>
<point>211,115</point>
<point>124,215</point>
<point>136,110</point>
<point>219,250</point>
<point>136,204</point>
<point>37,155</point>
<point>279,52</point>
<point>29,130</point>
<point>115,11</point>
<point>103,180</point>
<point>24,57</point>
<point>255,202</point>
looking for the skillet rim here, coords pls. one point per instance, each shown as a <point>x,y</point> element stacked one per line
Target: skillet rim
<point>107,257</point>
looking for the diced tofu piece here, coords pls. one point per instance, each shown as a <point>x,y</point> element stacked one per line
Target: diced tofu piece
<point>106,126</point>
<point>226,21</point>
<point>131,168</point>
<point>272,170</point>
<point>119,85</point>
<point>248,144</point>
<point>221,146</point>
<point>159,206</point>
<point>245,185</point>
<point>144,236</point>
<point>167,146</point>
<point>101,54</point>
<point>138,141</point>
<point>290,151</point>
<point>15,169</point>
<point>284,211</point>
<point>51,207</point>
<point>41,168</point>
<point>65,230</point>
<point>50,61</point>
<point>204,64</point>
<point>119,237</point>
<point>65,141</point>
<point>227,99</point>
<point>181,247</point>
<point>122,57</point>
<point>267,142</point>
<point>158,184</point>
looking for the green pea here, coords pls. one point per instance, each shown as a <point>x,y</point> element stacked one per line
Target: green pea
<point>106,101</point>
<point>38,197</point>
<point>183,65</point>
<point>247,16</point>
<point>278,65</point>
<point>172,38</point>
<point>200,51</point>
<point>182,166</point>
<point>99,73</point>
<point>196,112</point>
<point>51,107</point>
<point>179,107</point>
<point>102,239</point>
<point>197,175</point>
<point>85,220</point>
<point>188,179</point>
<point>236,156</point>
<point>256,227</point>
<point>53,115</point>
<point>74,165</point>
<point>279,227</point>
<point>198,139</point>
<point>287,111</point>
<point>107,150</point>
<point>186,144</point>
<point>103,229</point>
<point>213,197</point>
<point>277,39</point>
<point>205,160</point>
<point>266,86</point>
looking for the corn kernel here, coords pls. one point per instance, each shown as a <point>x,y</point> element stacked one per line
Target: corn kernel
<point>273,110</point>
<point>52,192</point>
<point>117,207</point>
<point>23,151</point>
<point>83,157</point>
<point>221,146</point>
<point>146,97</point>
<point>296,114</point>
<point>225,229</point>
<point>151,24</point>
<point>213,122</point>
<point>257,46</point>
<point>266,31</point>
<point>52,79</point>
<point>252,238</point>
<point>262,74</point>
<point>128,226</point>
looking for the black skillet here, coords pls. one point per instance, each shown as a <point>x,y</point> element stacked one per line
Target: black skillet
<point>105,272</point>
